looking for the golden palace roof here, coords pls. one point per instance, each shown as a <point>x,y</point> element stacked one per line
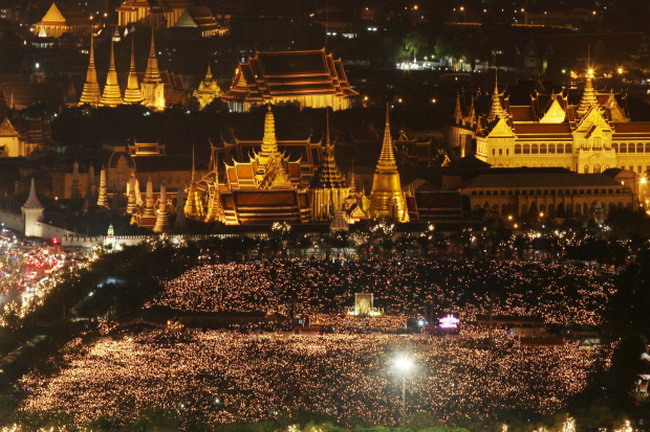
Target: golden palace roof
<point>286,73</point>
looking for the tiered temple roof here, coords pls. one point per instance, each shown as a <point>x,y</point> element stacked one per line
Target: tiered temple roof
<point>287,74</point>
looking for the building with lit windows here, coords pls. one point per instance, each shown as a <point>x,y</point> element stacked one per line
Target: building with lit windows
<point>588,137</point>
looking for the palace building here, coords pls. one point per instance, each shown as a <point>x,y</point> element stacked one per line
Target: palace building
<point>312,79</point>
<point>590,136</point>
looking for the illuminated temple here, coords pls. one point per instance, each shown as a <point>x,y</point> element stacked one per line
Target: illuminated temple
<point>148,91</point>
<point>589,136</point>
<point>311,79</point>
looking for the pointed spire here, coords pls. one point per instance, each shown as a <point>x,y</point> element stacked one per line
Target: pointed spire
<point>102,198</point>
<point>152,73</point>
<point>112,95</point>
<point>153,89</point>
<point>32,200</point>
<point>269,141</point>
<point>133,93</point>
<point>387,200</point>
<point>387,155</point>
<point>328,188</point>
<point>589,96</point>
<point>131,203</point>
<point>458,111</point>
<point>91,93</point>
<point>148,200</point>
<point>496,109</point>
<point>162,216</point>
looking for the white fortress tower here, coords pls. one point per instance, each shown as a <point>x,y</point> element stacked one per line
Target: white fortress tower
<point>32,212</point>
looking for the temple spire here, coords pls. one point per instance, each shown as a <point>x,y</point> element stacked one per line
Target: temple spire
<point>162,216</point>
<point>152,73</point>
<point>153,89</point>
<point>387,199</point>
<point>328,188</point>
<point>102,198</point>
<point>91,93</point>
<point>387,155</point>
<point>148,200</point>
<point>131,202</point>
<point>496,109</point>
<point>589,95</point>
<point>269,141</point>
<point>133,93</point>
<point>112,96</point>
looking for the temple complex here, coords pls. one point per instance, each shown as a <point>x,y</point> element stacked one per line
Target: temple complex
<point>590,136</point>
<point>311,79</point>
<point>387,199</point>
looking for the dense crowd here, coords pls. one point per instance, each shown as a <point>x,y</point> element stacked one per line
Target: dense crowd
<point>560,293</point>
<point>230,377</point>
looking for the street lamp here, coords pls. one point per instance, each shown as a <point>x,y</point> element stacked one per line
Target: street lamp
<point>403,364</point>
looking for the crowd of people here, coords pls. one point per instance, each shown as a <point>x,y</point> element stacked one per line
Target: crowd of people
<point>560,293</point>
<point>228,377</point>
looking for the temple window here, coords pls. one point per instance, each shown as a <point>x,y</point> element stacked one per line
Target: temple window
<point>526,148</point>
<point>631,148</point>
<point>647,147</point>
<point>598,143</point>
<point>551,148</point>
<point>623,148</point>
<point>517,148</point>
<point>535,149</point>
<point>639,148</point>
<point>543,149</point>
<point>568,148</point>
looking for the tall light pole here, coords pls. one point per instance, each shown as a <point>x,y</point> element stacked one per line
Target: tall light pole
<point>403,365</point>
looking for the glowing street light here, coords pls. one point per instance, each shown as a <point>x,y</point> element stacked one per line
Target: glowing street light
<point>403,364</point>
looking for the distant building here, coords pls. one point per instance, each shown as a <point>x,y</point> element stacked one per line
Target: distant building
<point>549,194</point>
<point>590,136</point>
<point>309,79</point>
<point>63,17</point>
<point>160,13</point>
<point>202,20</point>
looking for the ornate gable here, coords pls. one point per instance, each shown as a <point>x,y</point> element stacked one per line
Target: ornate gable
<point>555,113</point>
<point>593,117</point>
<point>501,129</point>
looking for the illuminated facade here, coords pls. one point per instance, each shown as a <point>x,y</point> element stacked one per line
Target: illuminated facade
<point>310,79</point>
<point>547,194</point>
<point>588,137</point>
